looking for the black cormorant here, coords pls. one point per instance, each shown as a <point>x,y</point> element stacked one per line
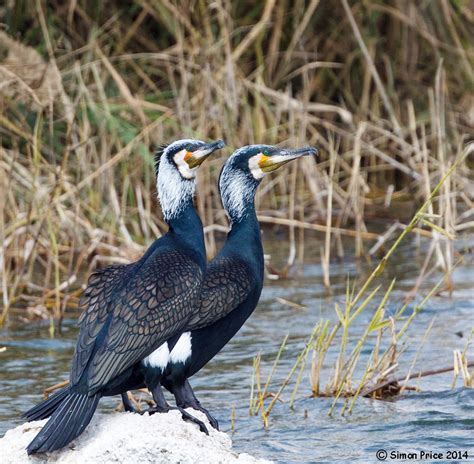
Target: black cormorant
<point>234,278</point>
<point>133,309</point>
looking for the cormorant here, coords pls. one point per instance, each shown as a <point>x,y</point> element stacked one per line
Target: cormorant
<point>135,310</point>
<point>234,278</point>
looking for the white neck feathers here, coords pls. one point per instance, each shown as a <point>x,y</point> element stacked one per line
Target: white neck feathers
<point>174,192</point>
<point>237,191</point>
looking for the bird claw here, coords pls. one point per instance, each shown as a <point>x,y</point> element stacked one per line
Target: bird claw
<point>212,420</point>
<point>190,418</point>
<point>184,414</point>
<point>156,409</point>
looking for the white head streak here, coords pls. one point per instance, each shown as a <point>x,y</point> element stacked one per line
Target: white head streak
<point>255,168</point>
<point>236,188</point>
<point>175,188</point>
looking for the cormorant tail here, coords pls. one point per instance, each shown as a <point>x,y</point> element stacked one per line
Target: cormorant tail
<point>44,409</point>
<point>68,421</point>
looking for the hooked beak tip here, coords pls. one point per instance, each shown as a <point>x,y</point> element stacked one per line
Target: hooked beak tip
<point>311,151</point>
<point>306,151</point>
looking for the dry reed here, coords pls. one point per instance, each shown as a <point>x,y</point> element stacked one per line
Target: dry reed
<point>384,89</point>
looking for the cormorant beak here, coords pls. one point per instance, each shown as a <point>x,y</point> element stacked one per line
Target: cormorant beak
<point>200,154</point>
<point>282,156</point>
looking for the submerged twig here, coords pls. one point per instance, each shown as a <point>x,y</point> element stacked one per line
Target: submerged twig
<point>406,377</point>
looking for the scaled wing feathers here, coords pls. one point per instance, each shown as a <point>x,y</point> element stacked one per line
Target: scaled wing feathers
<point>143,310</point>
<point>227,283</point>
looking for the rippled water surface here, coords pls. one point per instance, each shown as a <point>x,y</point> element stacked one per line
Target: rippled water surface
<point>439,418</point>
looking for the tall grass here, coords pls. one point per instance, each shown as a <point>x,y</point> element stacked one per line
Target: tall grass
<point>87,91</point>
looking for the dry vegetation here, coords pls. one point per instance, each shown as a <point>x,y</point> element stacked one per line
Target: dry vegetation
<point>88,89</point>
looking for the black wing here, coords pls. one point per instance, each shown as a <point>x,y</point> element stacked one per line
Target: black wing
<point>154,302</point>
<point>227,283</point>
<point>102,286</point>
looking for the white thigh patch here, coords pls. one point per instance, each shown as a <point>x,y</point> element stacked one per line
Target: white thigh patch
<point>182,350</point>
<point>159,357</point>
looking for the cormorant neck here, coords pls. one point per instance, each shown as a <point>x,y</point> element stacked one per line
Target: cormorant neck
<point>238,196</point>
<point>244,237</point>
<point>186,226</point>
<point>243,217</point>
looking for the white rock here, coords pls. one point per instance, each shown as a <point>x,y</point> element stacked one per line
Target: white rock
<point>129,438</point>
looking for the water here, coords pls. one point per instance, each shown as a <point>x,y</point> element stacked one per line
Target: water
<point>438,419</point>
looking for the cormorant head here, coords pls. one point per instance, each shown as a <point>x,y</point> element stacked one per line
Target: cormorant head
<point>244,170</point>
<point>175,178</point>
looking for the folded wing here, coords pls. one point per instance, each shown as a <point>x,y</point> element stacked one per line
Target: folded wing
<point>227,283</point>
<point>133,313</point>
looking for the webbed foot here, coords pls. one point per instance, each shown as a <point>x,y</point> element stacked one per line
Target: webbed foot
<point>212,420</point>
<point>184,414</point>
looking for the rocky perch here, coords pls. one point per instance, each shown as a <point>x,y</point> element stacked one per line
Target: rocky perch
<point>129,438</point>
